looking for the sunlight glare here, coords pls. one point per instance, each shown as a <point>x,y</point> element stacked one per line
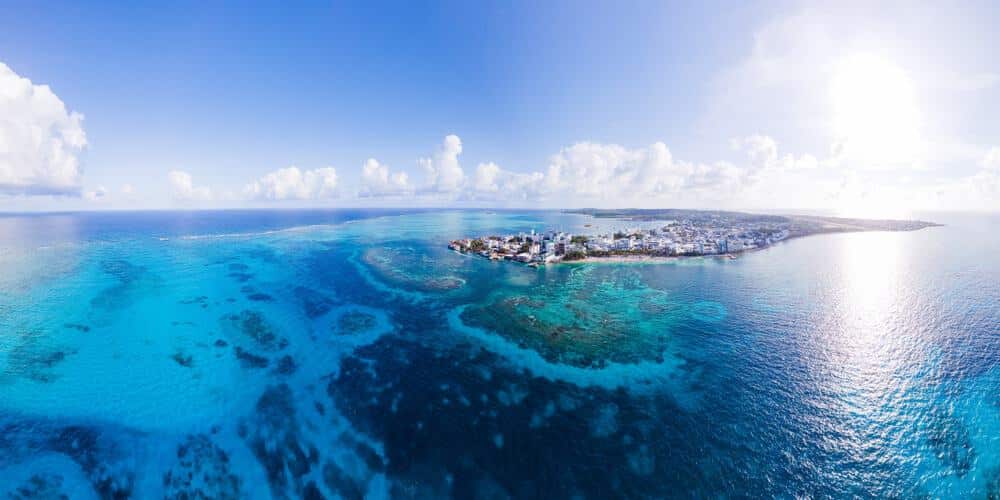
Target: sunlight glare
<point>875,113</point>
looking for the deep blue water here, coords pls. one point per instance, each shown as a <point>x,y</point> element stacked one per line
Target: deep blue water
<point>348,353</point>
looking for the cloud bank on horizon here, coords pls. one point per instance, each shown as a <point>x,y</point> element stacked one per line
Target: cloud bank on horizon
<point>809,117</point>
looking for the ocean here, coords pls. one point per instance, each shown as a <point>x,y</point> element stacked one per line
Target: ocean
<point>349,353</point>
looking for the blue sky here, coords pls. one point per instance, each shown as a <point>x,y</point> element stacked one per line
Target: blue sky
<point>734,104</point>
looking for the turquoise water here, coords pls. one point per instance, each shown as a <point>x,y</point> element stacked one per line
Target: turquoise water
<point>350,354</point>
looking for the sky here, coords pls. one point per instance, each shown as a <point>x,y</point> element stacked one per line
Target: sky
<point>854,108</point>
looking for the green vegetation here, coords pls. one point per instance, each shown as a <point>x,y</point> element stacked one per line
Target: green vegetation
<point>619,235</point>
<point>477,245</point>
<point>574,255</point>
<point>579,239</point>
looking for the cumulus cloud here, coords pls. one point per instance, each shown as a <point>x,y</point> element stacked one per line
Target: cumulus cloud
<point>377,180</point>
<point>762,156</point>
<point>609,171</point>
<point>293,184</point>
<point>494,183</point>
<point>486,178</point>
<point>40,141</point>
<point>444,173</point>
<point>761,150</point>
<point>182,187</point>
<point>595,173</point>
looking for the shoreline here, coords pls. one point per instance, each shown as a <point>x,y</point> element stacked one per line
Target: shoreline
<point>645,259</point>
<point>663,259</point>
<point>684,233</point>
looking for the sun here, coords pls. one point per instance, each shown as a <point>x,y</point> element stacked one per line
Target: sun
<point>876,120</point>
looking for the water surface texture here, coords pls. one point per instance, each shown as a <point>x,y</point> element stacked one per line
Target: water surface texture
<point>350,354</point>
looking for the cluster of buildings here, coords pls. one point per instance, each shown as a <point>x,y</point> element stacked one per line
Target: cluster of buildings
<point>676,238</point>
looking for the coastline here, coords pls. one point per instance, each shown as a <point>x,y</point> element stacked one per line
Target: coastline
<point>641,259</point>
<point>663,259</point>
<point>715,234</point>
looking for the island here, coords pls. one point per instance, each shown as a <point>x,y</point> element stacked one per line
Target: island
<point>676,233</point>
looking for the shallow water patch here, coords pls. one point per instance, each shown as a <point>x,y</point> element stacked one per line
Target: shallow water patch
<point>412,268</point>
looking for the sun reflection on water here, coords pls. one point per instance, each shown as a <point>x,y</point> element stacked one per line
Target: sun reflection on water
<point>868,351</point>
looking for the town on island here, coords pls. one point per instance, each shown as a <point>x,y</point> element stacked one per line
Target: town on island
<point>677,233</point>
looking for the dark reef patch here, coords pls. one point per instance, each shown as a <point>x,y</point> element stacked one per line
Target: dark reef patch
<point>274,438</point>
<point>199,300</point>
<point>345,486</point>
<point>315,304</point>
<point>583,316</point>
<point>459,412</point>
<point>97,457</point>
<point>274,433</point>
<point>352,322</point>
<point>182,359</point>
<point>104,454</point>
<point>202,470</point>
<point>44,485</point>
<point>238,266</point>
<point>951,442</point>
<point>31,359</point>
<point>254,326</point>
<point>286,365</point>
<point>123,270</point>
<point>260,297</point>
<point>249,359</point>
<point>117,296</point>
<point>78,327</point>
<point>311,492</point>
<point>241,277</point>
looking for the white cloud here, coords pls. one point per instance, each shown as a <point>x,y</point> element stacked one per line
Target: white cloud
<point>95,195</point>
<point>182,187</point>
<point>444,173</point>
<point>609,171</point>
<point>762,156</point>
<point>761,149</point>
<point>127,189</point>
<point>986,182</point>
<point>39,139</point>
<point>293,184</point>
<point>486,178</point>
<point>606,174</point>
<point>494,183</point>
<point>992,159</point>
<point>377,180</point>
